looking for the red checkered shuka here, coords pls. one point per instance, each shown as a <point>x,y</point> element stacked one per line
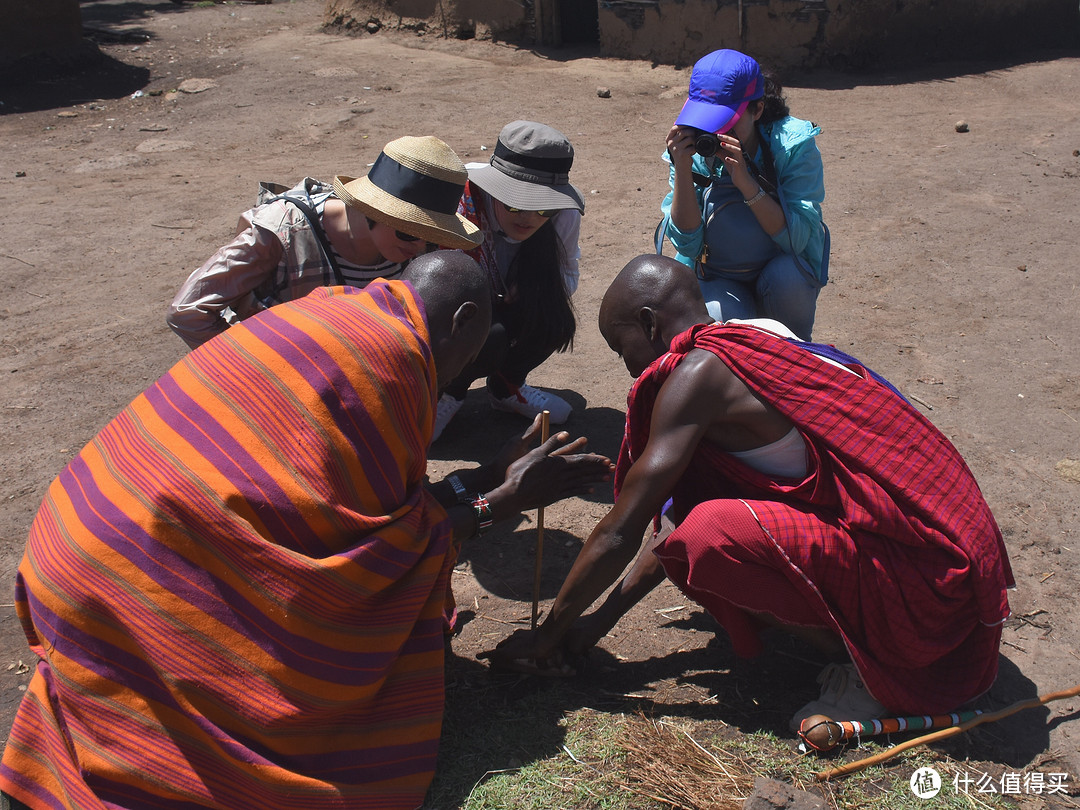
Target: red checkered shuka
<point>888,539</point>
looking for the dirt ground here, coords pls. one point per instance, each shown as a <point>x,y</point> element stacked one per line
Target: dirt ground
<point>954,273</point>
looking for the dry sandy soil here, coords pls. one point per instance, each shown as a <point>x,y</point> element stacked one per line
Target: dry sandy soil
<point>954,273</point>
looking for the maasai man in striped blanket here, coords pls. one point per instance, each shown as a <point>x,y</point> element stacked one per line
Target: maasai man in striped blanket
<point>236,589</point>
<point>806,493</point>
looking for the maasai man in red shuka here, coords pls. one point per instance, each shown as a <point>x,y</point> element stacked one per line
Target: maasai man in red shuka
<point>806,493</point>
<point>236,589</point>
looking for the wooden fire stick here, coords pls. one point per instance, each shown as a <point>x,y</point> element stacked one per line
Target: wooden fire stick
<point>952,731</point>
<point>545,424</point>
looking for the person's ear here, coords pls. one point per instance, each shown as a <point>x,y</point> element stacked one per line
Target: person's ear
<point>463,317</point>
<point>647,320</point>
<point>759,108</point>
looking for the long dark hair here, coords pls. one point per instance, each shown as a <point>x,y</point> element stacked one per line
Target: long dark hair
<point>776,106</point>
<point>542,304</point>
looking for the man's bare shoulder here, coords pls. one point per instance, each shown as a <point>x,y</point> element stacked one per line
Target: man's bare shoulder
<point>704,370</point>
<point>703,383</point>
<point>703,390</point>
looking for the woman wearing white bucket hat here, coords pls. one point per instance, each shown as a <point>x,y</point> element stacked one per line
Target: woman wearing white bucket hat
<point>530,217</point>
<point>317,234</point>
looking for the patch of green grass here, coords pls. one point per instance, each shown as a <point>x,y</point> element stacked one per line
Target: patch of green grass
<point>506,750</point>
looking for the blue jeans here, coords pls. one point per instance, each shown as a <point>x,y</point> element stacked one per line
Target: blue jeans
<point>780,290</point>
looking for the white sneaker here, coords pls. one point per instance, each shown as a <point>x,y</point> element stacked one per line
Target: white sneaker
<point>843,697</point>
<point>444,412</point>
<point>529,401</point>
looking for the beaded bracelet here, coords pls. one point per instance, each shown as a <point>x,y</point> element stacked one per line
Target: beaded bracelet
<point>483,513</point>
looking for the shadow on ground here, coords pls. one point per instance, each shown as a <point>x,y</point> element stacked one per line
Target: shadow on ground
<point>87,73</point>
<point>498,722</point>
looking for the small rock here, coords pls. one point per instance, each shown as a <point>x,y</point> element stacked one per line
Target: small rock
<point>67,114</point>
<point>1022,268</point>
<point>772,795</point>
<point>335,72</point>
<point>373,26</point>
<point>961,126</point>
<point>1076,152</point>
<point>196,85</point>
<point>20,174</point>
<point>162,145</point>
<point>1069,469</point>
<point>603,92</point>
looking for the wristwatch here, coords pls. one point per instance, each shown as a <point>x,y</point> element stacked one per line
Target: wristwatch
<point>756,197</point>
<point>459,489</point>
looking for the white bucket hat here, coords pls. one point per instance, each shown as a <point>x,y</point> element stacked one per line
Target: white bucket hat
<point>530,169</point>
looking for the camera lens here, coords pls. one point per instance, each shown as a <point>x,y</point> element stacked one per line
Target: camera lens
<point>706,144</point>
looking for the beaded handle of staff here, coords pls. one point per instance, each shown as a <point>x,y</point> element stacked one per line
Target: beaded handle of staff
<point>822,733</point>
<point>941,734</point>
<point>545,426</point>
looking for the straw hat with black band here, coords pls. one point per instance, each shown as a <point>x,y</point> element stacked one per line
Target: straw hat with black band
<point>414,187</point>
<point>530,169</point>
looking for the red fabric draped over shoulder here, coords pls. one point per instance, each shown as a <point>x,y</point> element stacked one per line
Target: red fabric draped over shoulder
<point>887,540</point>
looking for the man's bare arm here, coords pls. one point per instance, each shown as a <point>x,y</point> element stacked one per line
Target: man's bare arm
<point>691,400</point>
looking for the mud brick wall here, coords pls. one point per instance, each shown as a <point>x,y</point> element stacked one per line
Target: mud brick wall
<point>51,27</point>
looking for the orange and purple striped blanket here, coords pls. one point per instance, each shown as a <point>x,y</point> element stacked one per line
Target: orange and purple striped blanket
<point>236,589</point>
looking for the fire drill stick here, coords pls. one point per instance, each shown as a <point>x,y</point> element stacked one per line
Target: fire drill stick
<point>952,731</point>
<point>545,424</point>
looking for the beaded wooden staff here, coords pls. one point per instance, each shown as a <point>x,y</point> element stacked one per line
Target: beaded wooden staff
<point>815,723</point>
<point>823,734</point>
<point>545,424</point>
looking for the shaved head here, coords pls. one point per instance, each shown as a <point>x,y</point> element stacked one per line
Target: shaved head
<point>446,279</point>
<point>457,304</point>
<point>658,283</point>
<point>652,299</point>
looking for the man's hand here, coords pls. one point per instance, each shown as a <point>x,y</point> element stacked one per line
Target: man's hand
<point>523,652</point>
<point>584,635</point>
<point>515,448</point>
<point>553,471</point>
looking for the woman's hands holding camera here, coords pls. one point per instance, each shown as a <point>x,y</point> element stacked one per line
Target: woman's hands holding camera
<point>680,147</point>
<point>685,142</point>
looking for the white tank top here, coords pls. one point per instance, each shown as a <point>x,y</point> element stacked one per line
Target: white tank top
<point>784,458</point>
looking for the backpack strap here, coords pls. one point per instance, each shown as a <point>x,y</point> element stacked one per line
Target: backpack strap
<point>660,233</point>
<point>307,208</point>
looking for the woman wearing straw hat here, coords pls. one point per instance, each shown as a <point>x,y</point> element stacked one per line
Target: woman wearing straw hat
<point>317,235</point>
<point>746,190</point>
<point>529,216</point>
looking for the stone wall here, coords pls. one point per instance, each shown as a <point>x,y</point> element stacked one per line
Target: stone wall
<point>39,27</point>
<point>780,33</point>
<point>483,19</point>
<point>838,33</point>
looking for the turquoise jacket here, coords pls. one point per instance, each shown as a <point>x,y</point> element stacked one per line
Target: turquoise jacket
<point>802,185</point>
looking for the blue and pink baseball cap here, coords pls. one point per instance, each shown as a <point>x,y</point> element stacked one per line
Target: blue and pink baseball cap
<point>722,85</point>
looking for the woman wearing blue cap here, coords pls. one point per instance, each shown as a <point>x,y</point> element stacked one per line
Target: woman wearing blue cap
<point>746,190</point>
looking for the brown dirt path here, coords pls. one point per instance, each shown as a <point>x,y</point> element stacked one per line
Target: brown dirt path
<point>954,273</point>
